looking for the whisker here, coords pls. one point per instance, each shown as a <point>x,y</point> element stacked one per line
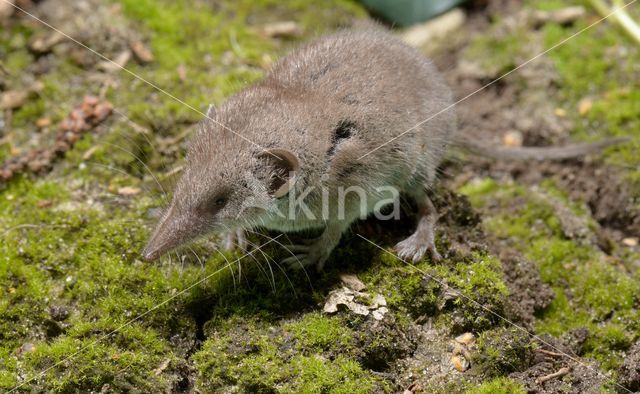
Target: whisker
<point>197,257</point>
<point>288,250</point>
<point>295,293</point>
<point>273,278</point>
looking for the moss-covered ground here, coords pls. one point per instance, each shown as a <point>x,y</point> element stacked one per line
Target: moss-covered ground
<point>80,311</point>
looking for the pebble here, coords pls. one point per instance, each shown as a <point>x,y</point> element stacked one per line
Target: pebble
<point>512,138</point>
<point>282,29</point>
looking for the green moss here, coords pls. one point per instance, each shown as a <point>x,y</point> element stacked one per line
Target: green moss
<point>315,331</point>
<point>589,291</point>
<point>589,68</point>
<point>499,385</point>
<point>118,362</point>
<point>17,62</point>
<point>500,53</point>
<point>196,36</point>
<point>597,64</point>
<point>502,351</point>
<point>68,254</point>
<point>340,376</point>
<point>247,355</point>
<point>26,114</point>
<point>425,289</point>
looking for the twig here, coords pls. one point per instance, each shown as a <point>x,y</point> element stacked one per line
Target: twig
<point>561,372</point>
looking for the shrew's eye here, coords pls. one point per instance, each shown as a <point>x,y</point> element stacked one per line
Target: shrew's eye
<point>220,201</point>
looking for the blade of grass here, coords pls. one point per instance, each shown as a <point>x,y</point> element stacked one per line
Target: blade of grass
<point>621,16</point>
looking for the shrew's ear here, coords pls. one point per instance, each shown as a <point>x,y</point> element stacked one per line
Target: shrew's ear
<point>283,166</point>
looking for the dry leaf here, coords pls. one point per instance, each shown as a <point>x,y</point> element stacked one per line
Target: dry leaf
<point>347,298</point>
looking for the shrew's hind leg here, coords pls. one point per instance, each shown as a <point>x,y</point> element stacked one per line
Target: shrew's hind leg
<point>423,239</point>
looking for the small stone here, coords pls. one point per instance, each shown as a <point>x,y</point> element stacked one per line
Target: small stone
<point>43,122</point>
<point>379,313</point>
<point>460,363</point>
<point>585,105</point>
<point>282,29</point>
<point>13,99</point>
<point>630,241</point>
<point>560,112</point>
<point>128,191</point>
<point>6,9</point>
<point>512,138</point>
<point>466,339</point>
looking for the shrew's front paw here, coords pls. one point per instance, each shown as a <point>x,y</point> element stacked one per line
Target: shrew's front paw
<point>313,253</point>
<point>416,246</point>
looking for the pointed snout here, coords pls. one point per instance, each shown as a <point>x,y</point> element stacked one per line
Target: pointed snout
<point>151,252</point>
<point>172,231</point>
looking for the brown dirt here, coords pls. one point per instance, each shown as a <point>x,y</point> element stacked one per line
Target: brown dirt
<point>528,294</point>
<point>629,372</point>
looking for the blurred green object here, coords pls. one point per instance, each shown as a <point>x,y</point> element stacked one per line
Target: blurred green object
<point>407,12</point>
